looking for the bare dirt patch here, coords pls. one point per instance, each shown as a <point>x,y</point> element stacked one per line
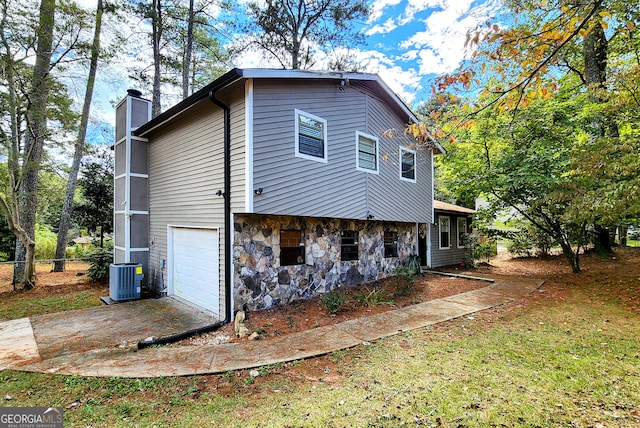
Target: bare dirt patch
<point>51,284</point>
<point>309,314</point>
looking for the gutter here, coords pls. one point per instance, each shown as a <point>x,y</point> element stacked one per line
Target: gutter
<point>166,116</point>
<point>227,236</point>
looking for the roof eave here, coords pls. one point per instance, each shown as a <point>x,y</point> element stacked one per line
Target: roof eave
<point>221,82</point>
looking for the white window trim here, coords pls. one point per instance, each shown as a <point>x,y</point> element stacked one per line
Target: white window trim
<point>440,233</point>
<point>464,230</point>
<point>370,137</point>
<point>297,136</point>
<point>415,165</point>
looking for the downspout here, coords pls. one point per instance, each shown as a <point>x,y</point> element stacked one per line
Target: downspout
<point>227,205</point>
<point>227,240</point>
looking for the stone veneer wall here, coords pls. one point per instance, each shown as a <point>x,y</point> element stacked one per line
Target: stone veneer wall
<point>261,283</point>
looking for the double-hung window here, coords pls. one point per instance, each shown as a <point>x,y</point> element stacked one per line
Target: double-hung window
<point>407,165</point>
<point>349,245</point>
<point>444,226</point>
<point>311,137</point>
<point>291,247</point>
<point>462,231</point>
<point>367,156</point>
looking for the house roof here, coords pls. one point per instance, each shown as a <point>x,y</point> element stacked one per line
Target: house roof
<point>372,81</point>
<point>443,206</point>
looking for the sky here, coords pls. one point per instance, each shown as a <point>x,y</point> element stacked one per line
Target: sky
<point>407,42</point>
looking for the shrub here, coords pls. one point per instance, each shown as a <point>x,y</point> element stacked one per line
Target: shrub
<point>77,251</point>
<point>486,250</point>
<point>333,300</point>
<point>376,296</point>
<point>99,262</point>
<point>404,279</point>
<point>528,240</point>
<point>45,243</point>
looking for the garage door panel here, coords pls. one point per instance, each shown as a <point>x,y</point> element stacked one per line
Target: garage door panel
<point>195,263</point>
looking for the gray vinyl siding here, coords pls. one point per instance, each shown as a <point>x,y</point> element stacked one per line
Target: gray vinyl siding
<point>236,101</point>
<point>296,186</point>
<point>389,197</point>
<point>450,256</point>
<point>302,187</point>
<point>185,172</point>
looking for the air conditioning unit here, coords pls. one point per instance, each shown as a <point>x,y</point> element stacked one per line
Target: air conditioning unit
<point>124,281</point>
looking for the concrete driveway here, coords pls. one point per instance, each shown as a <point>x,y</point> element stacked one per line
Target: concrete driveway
<point>100,341</point>
<point>120,326</point>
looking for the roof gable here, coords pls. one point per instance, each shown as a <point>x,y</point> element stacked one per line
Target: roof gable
<point>372,81</point>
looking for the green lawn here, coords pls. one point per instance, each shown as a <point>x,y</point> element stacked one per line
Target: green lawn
<point>573,362</point>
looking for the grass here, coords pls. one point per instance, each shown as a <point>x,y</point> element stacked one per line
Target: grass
<point>572,363</point>
<point>20,308</point>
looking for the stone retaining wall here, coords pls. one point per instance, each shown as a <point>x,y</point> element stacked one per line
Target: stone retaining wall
<point>260,282</point>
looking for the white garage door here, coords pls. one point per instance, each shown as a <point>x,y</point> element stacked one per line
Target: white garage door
<point>194,261</point>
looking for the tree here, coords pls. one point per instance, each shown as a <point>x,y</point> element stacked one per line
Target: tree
<point>291,31</point>
<point>65,215</point>
<point>33,100</point>
<point>24,207</point>
<point>184,46</point>
<point>95,212</point>
<point>521,164</point>
<point>557,46</point>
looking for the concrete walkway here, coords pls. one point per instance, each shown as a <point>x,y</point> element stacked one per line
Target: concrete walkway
<point>55,344</point>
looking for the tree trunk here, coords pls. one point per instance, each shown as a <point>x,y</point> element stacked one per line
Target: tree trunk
<point>622,236</point>
<point>12,147</point>
<point>573,257</point>
<point>603,240</point>
<point>186,68</point>
<point>595,50</point>
<point>34,143</point>
<point>67,207</point>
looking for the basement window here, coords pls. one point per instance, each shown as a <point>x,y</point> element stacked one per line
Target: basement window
<point>349,245</point>
<point>390,244</point>
<point>291,247</point>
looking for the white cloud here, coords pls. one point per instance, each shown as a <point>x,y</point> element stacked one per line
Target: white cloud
<point>378,6</point>
<point>409,55</point>
<point>404,82</point>
<point>417,6</point>
<point>441,44</point>
<point>388,26</point>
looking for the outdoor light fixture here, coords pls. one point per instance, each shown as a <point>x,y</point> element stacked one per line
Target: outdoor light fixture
<point>258,191</point>
<point>219,193</point>
<point>369,216</point>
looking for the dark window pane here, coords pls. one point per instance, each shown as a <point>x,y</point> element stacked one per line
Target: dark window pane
<point>390,244</point>
<point>310,136</point>
<point>291,250</point>
<point>310,146</point>
<point>349,245</point>
<point>409,165</point>
<point>367,153</point>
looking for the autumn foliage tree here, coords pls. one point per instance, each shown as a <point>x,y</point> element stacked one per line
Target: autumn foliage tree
<point>583,56</point>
